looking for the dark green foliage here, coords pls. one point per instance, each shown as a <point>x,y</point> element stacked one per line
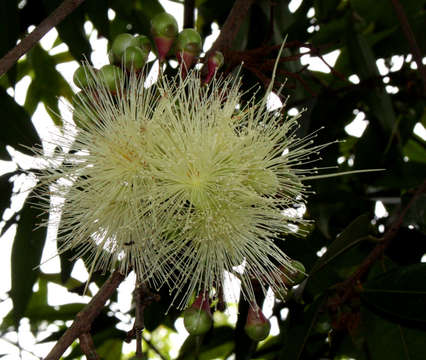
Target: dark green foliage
<point>384,316</point>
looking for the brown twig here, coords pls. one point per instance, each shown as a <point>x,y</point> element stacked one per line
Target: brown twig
<point>408,33</point>
<point>59,14</point>
<point>88,347</point>
<point>188,14</point>
<point>143,297</point>
<point>230,28</point>
<point>84,318</point>
<point>348,287</point>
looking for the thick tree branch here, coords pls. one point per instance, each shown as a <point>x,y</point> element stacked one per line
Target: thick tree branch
<point>231,26</point>
<point>409,35</point>
<point>84,318</point>
<point>188,14</point>
<point>348,287</point>
<point>59,14</point>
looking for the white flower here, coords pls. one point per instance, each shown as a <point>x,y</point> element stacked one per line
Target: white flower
<point>176,183</point>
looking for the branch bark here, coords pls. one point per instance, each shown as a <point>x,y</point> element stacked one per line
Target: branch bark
<point>409,35</point>
<point>25,45</point>
<point>349,285</point>
<point>84,318</point>
<point>231,26</point>
<point>188,14</point>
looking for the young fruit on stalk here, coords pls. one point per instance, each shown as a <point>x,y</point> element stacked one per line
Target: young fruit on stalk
<point>188,47</point>
<point>215,61</point>
<point>83,76</point>
<point>110,76</point>
<point>198,318</point>
<point>144,43</point>
<point>164,29</point>
<point>134,58</point>
<point>257,326</point>
<point>119,46</point>
<point>294,276</point>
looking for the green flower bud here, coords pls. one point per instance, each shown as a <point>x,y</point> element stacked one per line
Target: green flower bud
<point>257,326</point>
<point>215,61</point>
<point>189,40</point>
<point>110,75</point>
<point>164,24</point>
<point>198,319</point>
<point>134,58</point>
<point>164,28</point>
<point>82,76</point>
<point>144,43</point>
<point>120,44</point>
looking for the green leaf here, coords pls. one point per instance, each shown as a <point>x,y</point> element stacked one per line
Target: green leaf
<point>356,232</point>
<point>399,294</point>
<point>48,84</point>
<point>111,349</point>
<point>299,334</point>
<point>364,62</point>
<point>6,187</point>
<point>17,129</point>
<point>390,341</point>
<point>26,255</point>
<point>72,285</point>
<point>97,12</point>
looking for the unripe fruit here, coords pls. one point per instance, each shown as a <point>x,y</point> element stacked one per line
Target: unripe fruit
<point>82,76</point>
<point>110,75</point>
<point>198,319</point>
<point>164,28</point>
<point>189,40</point>
<point>257,326</point>
<point>120,44</point>
<point>144,43</point>
<point>134,58</point>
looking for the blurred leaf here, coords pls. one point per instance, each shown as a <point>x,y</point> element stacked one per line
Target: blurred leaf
<point>364,62</point>
<point>48,84</point>
<point>415,150</point>
<point>390,341</point>
<point>399,294</point>
<point>356,232</point>
<point>17,129</point>
<point>110,349</point>
<point>97,12</point>
<point>26,255</point>
<point>71,284</point>
<point>6,187</point>
<point>210,346</point>
<point>299,333</point>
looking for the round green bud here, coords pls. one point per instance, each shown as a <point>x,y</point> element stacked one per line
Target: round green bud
<point>144,43</point>
<point>80,113</point>
<point>120,44</point>
<point>83,76</point>
<point>110,75</point>
<point>189,40</point>
<point>164,24</point>
<point>257,326</point>
<point>263,181</point>
<point>134,58</point>
<point>197,321</point>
